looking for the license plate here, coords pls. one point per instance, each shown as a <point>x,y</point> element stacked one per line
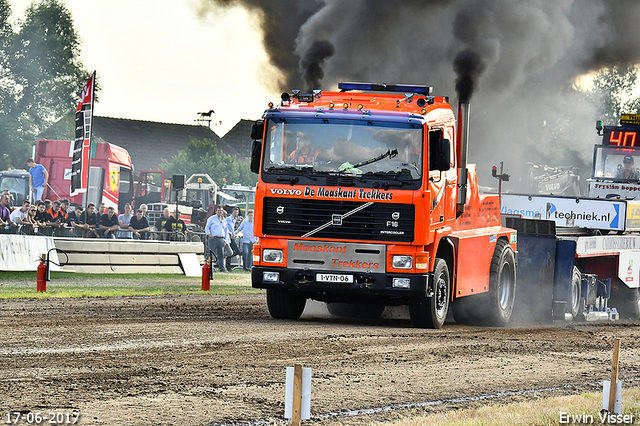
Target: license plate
<point>334,278</point>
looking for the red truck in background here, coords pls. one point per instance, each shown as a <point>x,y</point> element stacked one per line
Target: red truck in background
<point>110,177</point>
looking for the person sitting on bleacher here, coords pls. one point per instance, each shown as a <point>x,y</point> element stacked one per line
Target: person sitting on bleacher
<point>55,218</point>
<point>6,224</point>
<point>87,222</point>
<point>139,226</point>
<point>109,223</point>
<point>19,216</point>
<point>177,227</point>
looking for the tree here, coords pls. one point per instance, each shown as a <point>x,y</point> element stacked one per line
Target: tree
<point>203,156</point>
<point>41,76</point>
<point>613,92</point>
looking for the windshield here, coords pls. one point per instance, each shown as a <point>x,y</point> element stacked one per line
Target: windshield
<point>341,146</point>
<point>616,163</point>
<point>18,188</point>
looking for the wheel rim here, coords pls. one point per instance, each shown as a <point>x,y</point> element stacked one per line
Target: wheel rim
<point>441,296</point>
<point>506,283</point>
<point>574,296</point>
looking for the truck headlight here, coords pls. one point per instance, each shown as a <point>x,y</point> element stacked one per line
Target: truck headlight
<point>402,262</point>
<point>272,256</point>
<point>270,277</point>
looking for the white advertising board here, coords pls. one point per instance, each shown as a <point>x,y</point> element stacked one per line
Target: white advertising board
<point>629,268</point>
<point>614,190</point>
<point>567,212</point>
<point>22,252</point>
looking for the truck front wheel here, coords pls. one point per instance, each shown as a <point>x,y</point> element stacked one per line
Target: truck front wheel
<point>431,312</point>
<point>502,285</point>
<point>285,304</point>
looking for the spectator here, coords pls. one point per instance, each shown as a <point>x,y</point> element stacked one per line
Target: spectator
<point>64,208</point>
<point>5,212</point>
<point>38,179</point>
<point>246,227</point>
<point>41,215</point>
<point>162,220</point>
<point>143,207</point>
<point>109,223</point>
<point>216,231</point>
<point>32,227</point>
<point>54,218</point>
<point>124,220</point>
<point>72,220</point>
<point>102,209</point>
<point>139,226</point>
<point>176,227</point>
<point>232,222</point>
<point>88,222</point>
<point>19,216</point>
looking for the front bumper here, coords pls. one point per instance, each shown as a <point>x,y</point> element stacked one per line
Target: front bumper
<point>374,287</point>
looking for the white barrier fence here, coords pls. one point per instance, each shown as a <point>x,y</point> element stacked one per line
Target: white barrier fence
<point>22,252</point>
<point>101,256</point>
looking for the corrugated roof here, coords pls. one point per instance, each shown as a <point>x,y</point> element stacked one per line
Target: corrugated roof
<point>150,142</point>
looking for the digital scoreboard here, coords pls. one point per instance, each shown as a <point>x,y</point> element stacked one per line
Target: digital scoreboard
<point>627,135</point>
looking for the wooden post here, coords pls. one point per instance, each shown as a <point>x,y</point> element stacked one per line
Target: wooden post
<point>297,395</point>
<point>614,375</point>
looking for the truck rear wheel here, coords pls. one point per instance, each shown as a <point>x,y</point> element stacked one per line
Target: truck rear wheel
<point>575,304</point>
<point>502,285</point>
<point>431,312</point>
<point>285,304</point>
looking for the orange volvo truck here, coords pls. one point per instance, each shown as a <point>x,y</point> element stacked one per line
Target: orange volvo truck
<point>365,200</point>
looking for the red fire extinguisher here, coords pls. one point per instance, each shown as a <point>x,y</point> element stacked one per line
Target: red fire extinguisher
<point>41,285</point>
<point>206,274</point>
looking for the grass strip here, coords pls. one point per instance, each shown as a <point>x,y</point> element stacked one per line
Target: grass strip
<point>571,410</point>
<point>21,285</point>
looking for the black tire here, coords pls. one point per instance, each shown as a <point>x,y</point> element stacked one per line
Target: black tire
<point>285,304</point>
<point>355,310</point>
<point>502,286</point>
<point>431,312</point>
<point>626,300</point>
<point>575,303</point>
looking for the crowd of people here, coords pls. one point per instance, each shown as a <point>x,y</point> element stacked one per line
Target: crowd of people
<point>59,219</point>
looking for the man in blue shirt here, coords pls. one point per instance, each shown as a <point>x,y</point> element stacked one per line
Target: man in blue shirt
<point>216,230</point>
<point>38,179</point>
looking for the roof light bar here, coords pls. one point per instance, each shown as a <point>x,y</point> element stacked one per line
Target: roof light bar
<point>403,88</point>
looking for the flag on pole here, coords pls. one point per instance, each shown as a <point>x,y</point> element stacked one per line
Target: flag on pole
<point>82,144</point>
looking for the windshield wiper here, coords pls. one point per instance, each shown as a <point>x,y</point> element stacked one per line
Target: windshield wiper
<point>390,153</point>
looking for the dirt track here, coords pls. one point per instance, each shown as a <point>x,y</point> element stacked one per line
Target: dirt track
<point>200,360</point>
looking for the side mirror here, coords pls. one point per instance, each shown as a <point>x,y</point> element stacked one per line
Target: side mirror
<point>257,130</point>
<point>256,152</point>
<point>440,154</point>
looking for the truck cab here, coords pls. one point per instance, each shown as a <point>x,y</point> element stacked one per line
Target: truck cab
<point>364,197</point>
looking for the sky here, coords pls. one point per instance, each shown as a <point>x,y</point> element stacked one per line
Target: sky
<point>156,60</point>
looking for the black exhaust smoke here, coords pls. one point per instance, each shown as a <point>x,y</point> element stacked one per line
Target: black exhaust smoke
<point>468,67</point>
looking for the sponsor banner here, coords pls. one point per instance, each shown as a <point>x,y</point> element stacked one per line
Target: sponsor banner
<point>337,193</point>
<point>633,216</point>
<point>613,190</point>
<point>22,252</point>
<point>567,212</point>
<point>629,268</point>
<point>333,256</point>
<point>82,142</point>
<point>607,244</point>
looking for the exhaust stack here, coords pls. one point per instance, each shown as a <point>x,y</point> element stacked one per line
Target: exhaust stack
<point>462,148</point>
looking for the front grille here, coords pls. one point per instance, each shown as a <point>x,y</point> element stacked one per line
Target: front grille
<point>378,222</point>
